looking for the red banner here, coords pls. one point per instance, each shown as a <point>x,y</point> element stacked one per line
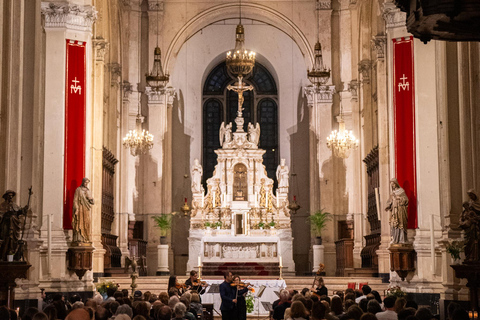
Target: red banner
<point>404,114</point>
<point>75,104</point>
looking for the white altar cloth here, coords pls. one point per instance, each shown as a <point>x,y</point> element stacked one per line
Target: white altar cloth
<point>268,295</point>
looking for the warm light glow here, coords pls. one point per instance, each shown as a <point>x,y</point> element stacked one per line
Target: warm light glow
<point>240,62</point>
<point>139,141</point>
<point>341,142</point>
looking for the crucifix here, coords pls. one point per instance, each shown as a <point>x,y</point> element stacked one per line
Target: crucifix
<point>240,88</point>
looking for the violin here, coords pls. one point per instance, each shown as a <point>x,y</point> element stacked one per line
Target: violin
<point>199,283</point>
<point>241,285</point>
<point>179,285</point>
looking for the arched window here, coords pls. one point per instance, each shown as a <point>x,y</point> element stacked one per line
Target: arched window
<point>260,105</point>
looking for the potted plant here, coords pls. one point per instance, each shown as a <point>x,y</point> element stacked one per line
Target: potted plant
<point>217,225</point>
<point>164,223</point>
<point>455,248</point>
<point>207,224</point>
<point>260,225</point>
<point>318,222</point>
<point>272,224</point>
<point>10,256</point>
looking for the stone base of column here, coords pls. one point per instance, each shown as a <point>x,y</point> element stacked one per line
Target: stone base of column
<point>318,256</point>
<point>162,266</point>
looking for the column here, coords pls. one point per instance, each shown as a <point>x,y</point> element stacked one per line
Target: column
<point>100,46</point>
<point>61,22</point>
<point>158,173</point>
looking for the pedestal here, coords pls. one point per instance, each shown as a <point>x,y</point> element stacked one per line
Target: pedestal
<point>9,272</point>
<point>318,256</point>
<point>79,259</point>
<point>162,268</point>
<point>402,259</point>
<point>470,271</point>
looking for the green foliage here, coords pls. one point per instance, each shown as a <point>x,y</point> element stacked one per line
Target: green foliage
<point>164,222</point>
<point>272,223</point>
<point>249,301</point>
<point>396,292</point>
<point>455,248</point>
<point>207,224</point>
<point>261,225</point>
<point>217,224</point>
<point>318,221</point>
<point>104,285</point>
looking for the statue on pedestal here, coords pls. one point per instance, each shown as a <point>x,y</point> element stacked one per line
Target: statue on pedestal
<point>397,204</point>
<point>10,225</point>
<point>282,174</point>
<point>81,217</point>
<point>197,172</point>
<point>470,223</point>
<point>254,133</point>
<point>225,133</point>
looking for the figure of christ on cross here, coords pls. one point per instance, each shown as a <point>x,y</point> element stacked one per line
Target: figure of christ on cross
<point>240,89</point>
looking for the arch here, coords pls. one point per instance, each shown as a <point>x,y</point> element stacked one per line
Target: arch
<point>253,11</point>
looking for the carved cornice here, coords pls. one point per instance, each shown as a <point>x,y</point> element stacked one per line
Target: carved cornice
<point>157,96</point>
<point>70,16</point>
<point>379,43</point>
<point>322,94</point>
<point>393,17</point>
<point>127,89</point>
<point>323,4</point>
<point>154,5</point>
<point>116,73</point>
<point>364,68</point>
<point>101,46</point>
<point>353,89</point>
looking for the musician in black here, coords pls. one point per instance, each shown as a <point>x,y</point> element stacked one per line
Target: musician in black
<point>193,283</point>
<point>228,293</point>
<point>320,289</point>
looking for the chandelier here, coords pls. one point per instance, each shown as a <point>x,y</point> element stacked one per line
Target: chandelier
<point>138,141</point>
<point>319,75</point>
<point>240,61</point>
<point>156,79</point>
<point>341,142</point>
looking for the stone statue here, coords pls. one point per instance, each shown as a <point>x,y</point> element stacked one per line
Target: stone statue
<point>225,133</point>
<point>470,223</point>
<point>254,133</point>
<point>10,225</point>
<point>282,174</point>
<point>197,172</point>
<point>81,217</point>
<point>397,204</point>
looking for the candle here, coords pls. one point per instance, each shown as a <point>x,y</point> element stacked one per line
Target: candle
<point>280,261</point>
<point>276,194</point>
<point>18,311</point>
<point>213,199</point>
<point>203,200</point>
<point>199,260</point>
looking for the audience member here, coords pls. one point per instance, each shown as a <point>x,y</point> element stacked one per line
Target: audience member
<point>411,304</point>
<point>377,296</point>
<point>29,313</point>
<point>179,311</point>
<point>400,304</point>
<point>365,290</point>
<point>460,314</point>
<point>374,307</point>
<point>318,311</point>
<point>40,316</point>
<point>424,314</point>
<point>78,314</point>
<point>405,313</point>
<point>336,306</point>
<point>368,316</point>
<point>353,312</point>
<point>389,313</point>
<point>298,311</point>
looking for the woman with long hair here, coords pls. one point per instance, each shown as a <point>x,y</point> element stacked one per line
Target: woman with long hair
<point>298,311</point>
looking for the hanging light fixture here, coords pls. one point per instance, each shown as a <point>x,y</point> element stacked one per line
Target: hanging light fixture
<point>319,74</point>
<point>157,79</point>
<point>138,141</point>
<point>341,142</point>
<point>240,61</point>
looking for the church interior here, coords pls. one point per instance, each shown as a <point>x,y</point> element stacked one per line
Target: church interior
<point>273,139</point>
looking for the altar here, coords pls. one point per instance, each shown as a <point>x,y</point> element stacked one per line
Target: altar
<point>240,217</point>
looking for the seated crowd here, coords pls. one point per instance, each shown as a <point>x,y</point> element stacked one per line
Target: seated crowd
<point>291,305</point>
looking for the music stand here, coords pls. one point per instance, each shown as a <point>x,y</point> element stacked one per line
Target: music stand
<point>277,293</point>
<point>214,288</point>
<point>267,306</point>
<point>260,292</point>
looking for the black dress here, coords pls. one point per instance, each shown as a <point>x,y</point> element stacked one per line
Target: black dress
<point>322,291</point>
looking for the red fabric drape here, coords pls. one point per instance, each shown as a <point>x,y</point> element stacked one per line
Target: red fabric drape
<point>75,104</point>
<point>404,114</point>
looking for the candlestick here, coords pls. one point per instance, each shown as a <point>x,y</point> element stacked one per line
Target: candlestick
<point>203,200</point>
<point>213,199</point>
<point>280,278</point>
<point>280,261</point>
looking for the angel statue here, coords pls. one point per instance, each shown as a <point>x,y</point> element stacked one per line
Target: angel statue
<point>254,133</point>
<point>197,173</point>
<point>225,133</point>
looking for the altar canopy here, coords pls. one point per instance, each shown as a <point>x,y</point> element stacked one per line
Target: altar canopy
<point>240,217</point>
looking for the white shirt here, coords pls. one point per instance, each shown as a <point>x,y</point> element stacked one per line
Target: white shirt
<point>387,315</point>
<point>357,300</point>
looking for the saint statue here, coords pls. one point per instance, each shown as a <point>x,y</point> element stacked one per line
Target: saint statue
<point>282,174</point>
<point>197,172</point>
<point>81,217</point>
<point>397,204</point>
<point>225,133</point>
<point>10,225</point>
<point>254,133</point>
<point>470,223</point>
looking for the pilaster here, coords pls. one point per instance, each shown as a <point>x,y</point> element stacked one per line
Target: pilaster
<point>62,21</point>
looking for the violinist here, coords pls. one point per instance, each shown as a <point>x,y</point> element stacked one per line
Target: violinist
<point>242,290</point>
<point>229,298</point>
<point>174,287</point>
<point>193,283</point>
<point>319,288</point>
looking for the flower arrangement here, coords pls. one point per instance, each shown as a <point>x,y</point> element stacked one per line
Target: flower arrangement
<point>208,224</point>
<point>455,248</point>
<point>104,285</point>
<point>249,300</point>
<point>217,224</point>
<point>396,292</point>
<point>272,223</point>
<point>260,225</point>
